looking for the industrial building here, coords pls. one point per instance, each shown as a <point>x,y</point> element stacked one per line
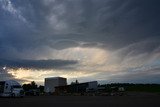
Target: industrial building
<point>52,82</point>
<point>78,88</point>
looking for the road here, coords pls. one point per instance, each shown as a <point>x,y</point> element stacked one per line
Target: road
<point>83,101</point>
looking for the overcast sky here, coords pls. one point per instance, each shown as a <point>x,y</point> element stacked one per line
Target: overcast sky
<point>103,40</point>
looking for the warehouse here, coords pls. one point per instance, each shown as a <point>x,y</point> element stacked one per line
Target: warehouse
<point>52,82</point>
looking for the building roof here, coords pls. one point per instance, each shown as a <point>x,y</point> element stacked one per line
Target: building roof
<point>55,77</point>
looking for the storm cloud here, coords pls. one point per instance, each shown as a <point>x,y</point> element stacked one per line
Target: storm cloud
<point>37,64</point>
<point>108,37</point>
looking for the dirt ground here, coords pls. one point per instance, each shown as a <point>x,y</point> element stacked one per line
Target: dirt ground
<point>130,100</point>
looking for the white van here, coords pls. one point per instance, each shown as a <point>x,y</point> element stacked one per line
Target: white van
<point>11,88</point>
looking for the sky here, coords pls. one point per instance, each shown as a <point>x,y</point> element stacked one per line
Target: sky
<point>108,41</point>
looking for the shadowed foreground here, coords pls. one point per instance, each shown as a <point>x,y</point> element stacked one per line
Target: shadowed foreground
<point>132,100</point>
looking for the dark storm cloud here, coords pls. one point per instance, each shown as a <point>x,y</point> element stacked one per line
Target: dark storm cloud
<point>112,23</point>
<point>62,44</point>
<point>147,76</point>
<point>33,30</point>
<point>37,64</point>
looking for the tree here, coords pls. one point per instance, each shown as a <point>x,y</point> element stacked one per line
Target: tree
<point>29,86</point>
<point>33,85</point>
<point>41,88</point>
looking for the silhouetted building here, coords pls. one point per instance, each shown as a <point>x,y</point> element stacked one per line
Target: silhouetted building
<point>78,88</point>
<point>51,83</point>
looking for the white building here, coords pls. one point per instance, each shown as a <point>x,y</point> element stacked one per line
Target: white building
<point>52,82</point>
<point>93,85</point>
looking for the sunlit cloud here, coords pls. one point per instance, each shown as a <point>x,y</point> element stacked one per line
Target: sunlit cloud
<point>39,75</point>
